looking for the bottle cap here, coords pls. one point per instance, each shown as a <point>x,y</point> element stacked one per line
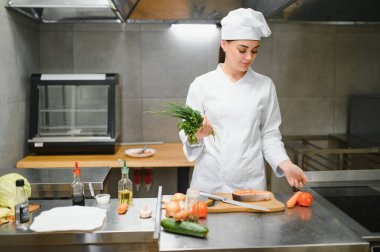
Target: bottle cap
<point>192,192</point>
<point>20,182</point>
<point>76,170</point>
<point>125,168</point>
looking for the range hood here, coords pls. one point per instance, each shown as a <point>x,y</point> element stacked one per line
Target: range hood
<point>194,11</point>
<point>211,11</point>
<point>139,11</point>
<point>331,11</point>
<point>199,11</point>
<point>75,11</point>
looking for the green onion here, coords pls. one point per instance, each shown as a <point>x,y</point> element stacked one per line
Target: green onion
<point>190,119</point>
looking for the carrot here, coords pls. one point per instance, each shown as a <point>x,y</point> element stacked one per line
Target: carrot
<point>122,209</point>
<point>293,200</point>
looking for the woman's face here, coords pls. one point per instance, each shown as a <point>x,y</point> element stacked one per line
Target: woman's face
<point>240,54</point>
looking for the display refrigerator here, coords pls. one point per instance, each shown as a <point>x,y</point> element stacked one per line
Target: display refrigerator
<point>74,113</point>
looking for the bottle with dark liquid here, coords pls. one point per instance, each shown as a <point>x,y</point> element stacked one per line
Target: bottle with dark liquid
<point>77,188</point>
<point>22,206</point>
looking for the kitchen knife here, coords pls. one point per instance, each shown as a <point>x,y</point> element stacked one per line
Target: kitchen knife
<point>234,202</point>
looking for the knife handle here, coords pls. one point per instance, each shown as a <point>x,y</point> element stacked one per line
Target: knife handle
<point>211,196</point>
<point>295,189</point>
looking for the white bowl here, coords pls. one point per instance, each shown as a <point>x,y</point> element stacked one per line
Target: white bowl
<point>103,199</point>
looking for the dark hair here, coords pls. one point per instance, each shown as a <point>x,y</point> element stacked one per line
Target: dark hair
<point>222,54</point>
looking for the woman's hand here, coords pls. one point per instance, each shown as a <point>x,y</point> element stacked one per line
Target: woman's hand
<point>294,175</point>
<point>205,130</point>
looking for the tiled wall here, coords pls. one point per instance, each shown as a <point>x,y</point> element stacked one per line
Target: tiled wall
<point>19,57</point>
<point>315,67</point>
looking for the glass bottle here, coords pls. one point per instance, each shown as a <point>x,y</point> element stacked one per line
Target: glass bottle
<point>192,197</point>
<point>125,187</point>
<point>22,206</point>
<point>77,188</point>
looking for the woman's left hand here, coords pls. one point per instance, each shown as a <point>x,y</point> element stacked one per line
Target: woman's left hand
<point>294,175</point>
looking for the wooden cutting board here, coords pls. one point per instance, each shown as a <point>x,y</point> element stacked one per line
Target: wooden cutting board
<point>220,207</point>
<point>34,207</point>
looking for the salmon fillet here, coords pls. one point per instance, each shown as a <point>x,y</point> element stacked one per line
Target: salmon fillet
<point>251,195</point>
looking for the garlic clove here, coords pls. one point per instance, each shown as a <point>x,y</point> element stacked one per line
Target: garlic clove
<point>165,202</point>
<point>145,212</point>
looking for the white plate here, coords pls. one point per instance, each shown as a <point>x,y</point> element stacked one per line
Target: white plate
<point>137,152</point>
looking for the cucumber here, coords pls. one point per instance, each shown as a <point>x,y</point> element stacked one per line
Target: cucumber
<point>184,227</point>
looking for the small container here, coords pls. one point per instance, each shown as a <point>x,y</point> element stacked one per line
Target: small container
<point>103,199</point>
<point>192,195</point>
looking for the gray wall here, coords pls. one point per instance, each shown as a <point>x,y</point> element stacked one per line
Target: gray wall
<point>19,57</point>
<point>315,67</point>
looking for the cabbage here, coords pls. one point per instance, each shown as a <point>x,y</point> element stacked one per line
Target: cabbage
<point>8,190</point>
<point>5,212</point>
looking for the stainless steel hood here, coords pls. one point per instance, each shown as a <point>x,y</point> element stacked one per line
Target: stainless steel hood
<point>194,11</point>
<point>74,11</point>
<point>331,11</point>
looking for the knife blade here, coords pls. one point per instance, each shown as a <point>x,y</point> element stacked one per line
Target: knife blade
<point>234,202</point>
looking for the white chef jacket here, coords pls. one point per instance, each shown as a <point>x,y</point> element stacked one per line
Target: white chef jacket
<point>245,116</point>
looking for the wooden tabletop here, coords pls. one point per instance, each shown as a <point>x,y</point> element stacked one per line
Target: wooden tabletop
<point>167,155</point>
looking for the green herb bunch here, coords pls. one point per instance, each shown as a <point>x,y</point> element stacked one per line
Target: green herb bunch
<point>190,119</point>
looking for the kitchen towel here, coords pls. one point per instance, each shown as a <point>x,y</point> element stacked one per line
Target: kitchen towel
<point>71,218</point>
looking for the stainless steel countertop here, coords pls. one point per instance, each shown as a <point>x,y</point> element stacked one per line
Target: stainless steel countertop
<point>296,229</point>
<point>56,182</point>
<point>128,228</point>
<point>352,224</point>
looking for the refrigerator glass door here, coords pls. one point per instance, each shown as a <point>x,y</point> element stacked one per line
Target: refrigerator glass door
<point>72,110</point>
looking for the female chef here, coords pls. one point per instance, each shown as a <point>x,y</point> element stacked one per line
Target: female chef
<point>241,107</point>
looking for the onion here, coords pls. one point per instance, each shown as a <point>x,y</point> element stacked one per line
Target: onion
<point>181,215</point>
<point>179,197</point>
<point>172,208</point>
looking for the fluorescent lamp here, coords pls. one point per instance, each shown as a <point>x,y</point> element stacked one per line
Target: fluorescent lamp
<point>195,27</point>
<point>194,31</point>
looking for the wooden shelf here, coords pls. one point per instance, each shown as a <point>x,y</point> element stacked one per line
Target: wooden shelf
<point>167,155</point>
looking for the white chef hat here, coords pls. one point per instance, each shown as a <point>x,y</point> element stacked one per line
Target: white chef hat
<point>244,24</point>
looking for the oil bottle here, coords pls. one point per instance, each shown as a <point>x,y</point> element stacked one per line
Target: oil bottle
<point>77,187</point>
<point>125,187</point>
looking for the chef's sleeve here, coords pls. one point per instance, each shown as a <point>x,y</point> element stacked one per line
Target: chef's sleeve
<point>272,146</point>
<point>192,151</point>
